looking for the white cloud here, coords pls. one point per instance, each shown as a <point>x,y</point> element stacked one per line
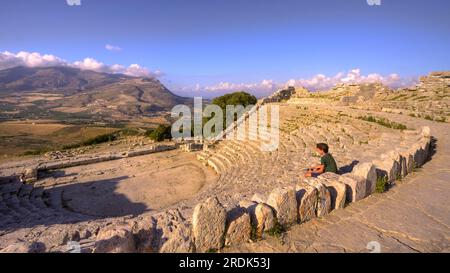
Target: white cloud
<point>322,82</point>
<point>265,85</point>
<point>91,64</point>
<point>34,59</point>
<point>30,59</point>
<point>317,82</point>
<point>113,48</point>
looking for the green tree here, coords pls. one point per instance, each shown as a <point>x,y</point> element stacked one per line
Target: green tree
<point>236,98</point>
<point>161,133</point>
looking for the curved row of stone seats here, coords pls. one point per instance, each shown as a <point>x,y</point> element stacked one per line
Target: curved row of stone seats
<point>292,156</point>
<point>228,153</point>
<point>213,226</point>
<point>317,197</point>
<point>400,162</point>
<point>314,197</point>
<point>294,142</point>
<point>26,205</point>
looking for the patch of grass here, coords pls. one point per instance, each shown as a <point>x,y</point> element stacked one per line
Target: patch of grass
<point>160,133</point>
<point>35,152</point>
<point>428,117</point>
<point>129,132</point>
<point>416,167</point>
<point>381,184</point>
<point>384,122</point>
<point>93,141</point>
<point>254,234</point>
<point>399,97</point>
<point>421,98</point>
<point>276,231</point>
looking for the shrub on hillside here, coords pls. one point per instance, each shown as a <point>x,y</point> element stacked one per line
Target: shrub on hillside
<point>236,98</point>
<point>161,133</point>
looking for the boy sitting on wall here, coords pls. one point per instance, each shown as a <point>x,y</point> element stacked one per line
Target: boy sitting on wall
<point>327,162</point>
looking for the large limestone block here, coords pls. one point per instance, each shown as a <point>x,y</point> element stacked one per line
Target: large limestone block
<point>395,155</point>
<point>264,219</point>
<point>368,171</point>
<point>405,160</point>
<point>409,161</point>
<point>258,198</point>
<point>172,233</point>
<point>30,175</point>
<point>208,225</point>
<point>336,189</point>
<point>426,132</point>
<point>250,206</point>
<point>284,202</point>
<point>355,187</point>
<point>143,229</point>
<point>425,145</point>
<point>307,198</point>
<point>387,167</point>
<point>115,238</point>
<point>324,198</point>
<point>239,228</point>
<point>419,155</point>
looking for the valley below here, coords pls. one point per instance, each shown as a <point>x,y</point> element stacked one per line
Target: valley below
<point>46,109</point>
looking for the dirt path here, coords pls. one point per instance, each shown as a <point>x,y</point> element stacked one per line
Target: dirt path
<point>414,216</point>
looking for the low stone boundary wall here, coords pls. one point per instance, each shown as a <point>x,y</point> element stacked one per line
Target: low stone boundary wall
<point>31,173</point>
<point>191,147</point>
<point>213,227</point>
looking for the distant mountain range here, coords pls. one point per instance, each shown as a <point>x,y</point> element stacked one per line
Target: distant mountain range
<point>48,90</point>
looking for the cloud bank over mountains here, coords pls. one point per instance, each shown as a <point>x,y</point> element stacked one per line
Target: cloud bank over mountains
<point>265,87</point>
<point>318,82</point>
<point>34,59</point>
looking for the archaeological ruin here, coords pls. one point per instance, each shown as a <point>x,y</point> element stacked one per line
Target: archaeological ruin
<point>226,194</point>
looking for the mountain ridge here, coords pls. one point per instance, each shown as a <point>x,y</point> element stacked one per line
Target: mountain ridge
<point>72,90</point>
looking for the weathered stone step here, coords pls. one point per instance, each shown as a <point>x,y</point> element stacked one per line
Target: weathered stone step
<point>215,164</point>
<point>224,160</point>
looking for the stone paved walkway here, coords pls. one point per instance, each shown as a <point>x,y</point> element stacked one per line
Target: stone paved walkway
<point>414,216</point>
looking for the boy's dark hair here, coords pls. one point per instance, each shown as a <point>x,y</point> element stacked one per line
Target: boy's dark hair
<point>323,147</point>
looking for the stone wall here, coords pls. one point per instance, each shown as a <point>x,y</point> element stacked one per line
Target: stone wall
<point>280,95</point>
<point>30,172</point>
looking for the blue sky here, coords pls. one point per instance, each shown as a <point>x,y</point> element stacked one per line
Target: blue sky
<point>198,44</point>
